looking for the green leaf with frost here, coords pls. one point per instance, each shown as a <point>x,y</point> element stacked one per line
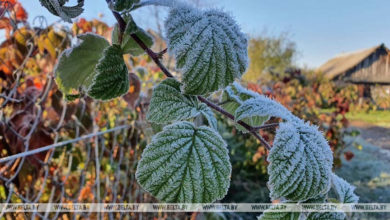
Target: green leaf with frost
<point>300,163</point>
<point>58,8</point>
<point>168,104</point>
<point>208,46</point>
<point>343,190</point>
<point>262,106</point>
<point>76,66</point>
<point>112,78</point>
<point>209,115</point>
<point>185,164</point>
<point>232,98</point>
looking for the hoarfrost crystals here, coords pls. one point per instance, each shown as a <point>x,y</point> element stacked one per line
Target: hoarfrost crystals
<point>169,105</point>
<point>208,46</point>
<point>184,163</point>
<point>344,190</point>
<point>300,163</point>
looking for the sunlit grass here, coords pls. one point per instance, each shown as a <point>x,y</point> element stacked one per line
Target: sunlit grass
<point>380,118</point>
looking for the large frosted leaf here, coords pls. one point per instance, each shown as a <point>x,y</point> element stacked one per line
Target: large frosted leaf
<point>184,163</point>
<point>233,96</point>
<point>112,78</point>
<point>58,8</point>
<point>343,190</point>
<point>168,104</point>
<point>300,163</point>
<point>76,66</point>
<point>209,48</point>
<point>264,106</point>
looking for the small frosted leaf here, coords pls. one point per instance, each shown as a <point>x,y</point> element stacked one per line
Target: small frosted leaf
<point>326,216</point>
<point>168,104</point>
<point>112,78</point>
<point>209,115</point>
<point>300,163</point>
<point>233,96</point>
<point>56,7</point>
<point>184,163</point>
<point>264,106</point>
<point>344,190</point>
<point>209,48</point>
<point>76,66</point>
<point>269,215</point>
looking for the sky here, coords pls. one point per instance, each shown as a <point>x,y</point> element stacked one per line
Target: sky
<point>321,29</point>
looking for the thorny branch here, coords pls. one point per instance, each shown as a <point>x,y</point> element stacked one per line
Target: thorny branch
<point>156,58</point>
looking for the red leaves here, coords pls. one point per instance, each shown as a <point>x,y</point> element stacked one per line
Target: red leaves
<point>348,155</point>
<point>84,25</point>
<point>20,14</point>
<point>20,125</point>
<point>22,129</point>
<point>15,12</point>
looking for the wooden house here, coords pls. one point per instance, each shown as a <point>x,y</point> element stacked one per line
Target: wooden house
<point>369,68</point>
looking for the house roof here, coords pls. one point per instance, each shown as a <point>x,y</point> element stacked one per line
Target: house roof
<point>343,62</point>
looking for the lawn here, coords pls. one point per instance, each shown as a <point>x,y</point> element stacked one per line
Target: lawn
<point>379,118</point>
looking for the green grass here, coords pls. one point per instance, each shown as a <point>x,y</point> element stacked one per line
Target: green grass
<point>379,118</point>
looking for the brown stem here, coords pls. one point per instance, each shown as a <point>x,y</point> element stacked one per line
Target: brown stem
<point>266,126</point>
<point>156,58</point>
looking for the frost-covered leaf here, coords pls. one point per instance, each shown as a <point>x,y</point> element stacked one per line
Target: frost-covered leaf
<point>269,215</point>
<point>184,163</point>
<point>76,66</point>
<point>58,8</point>
<point>300,163</point>
<point>343,190</point>
<point>168,104</point>
<point>112,78</point>
<point>233,96</point>
<point>209,115</point>
<point>128,44</point>
<point>326,216</point>
<point>121,5</point>
<point>209,48</point>
<point>264,106</point>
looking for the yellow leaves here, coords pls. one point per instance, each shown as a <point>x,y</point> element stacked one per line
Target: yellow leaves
<point>52,41</point>
<point>22,36</point>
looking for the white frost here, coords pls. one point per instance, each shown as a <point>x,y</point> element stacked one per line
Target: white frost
<point>300,163</point>
<point>184,163</point>
<point>209,48</point>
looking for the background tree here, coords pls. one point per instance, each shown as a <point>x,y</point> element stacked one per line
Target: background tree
<point>269,53</point>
